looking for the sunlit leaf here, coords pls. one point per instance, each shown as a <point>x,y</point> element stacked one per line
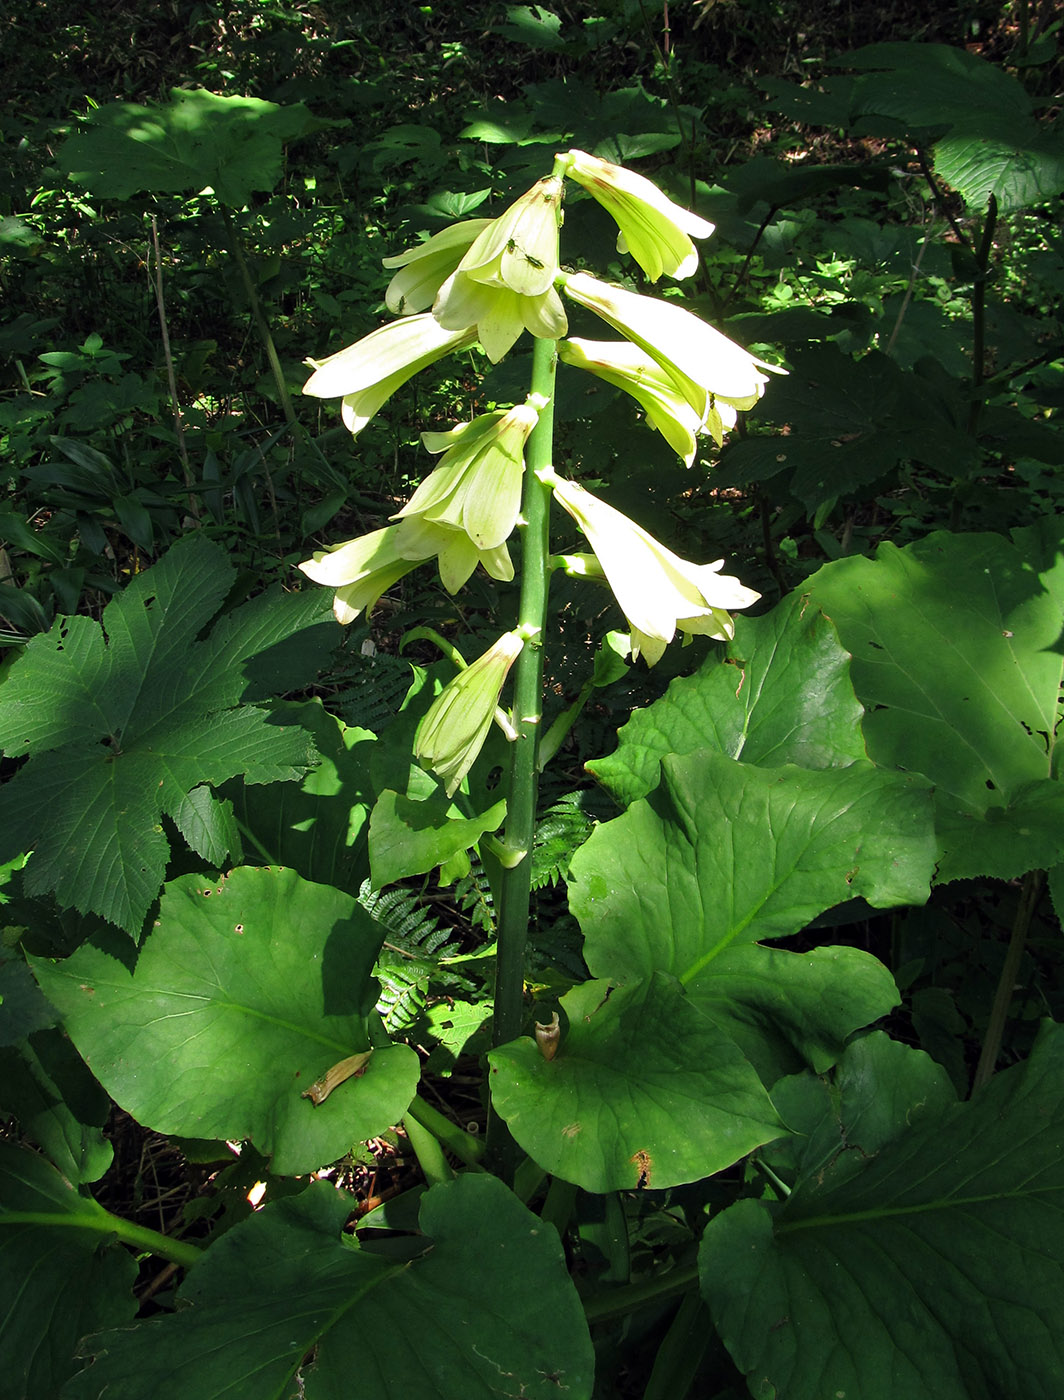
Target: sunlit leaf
<point>125,718</point>
<point>246,991</point>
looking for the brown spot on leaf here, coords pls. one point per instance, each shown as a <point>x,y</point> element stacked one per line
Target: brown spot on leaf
<point>643,1166</point>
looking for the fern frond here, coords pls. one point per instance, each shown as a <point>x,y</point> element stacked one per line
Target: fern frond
<point>409,926</point>
<point>563,828</point>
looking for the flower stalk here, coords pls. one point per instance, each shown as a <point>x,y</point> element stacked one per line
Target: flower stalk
<point>516,881</point>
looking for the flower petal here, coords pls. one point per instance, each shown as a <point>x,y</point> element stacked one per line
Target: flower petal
<point>657,591</point>
<point>367,373</point>
<point>702,360</point>
<point>626,366</point>
<point>424,268</point>
<point>519,250</point>
<point>653,229</point>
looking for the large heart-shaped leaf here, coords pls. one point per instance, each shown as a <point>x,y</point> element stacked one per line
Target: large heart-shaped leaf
<point>957,657</point>
<point>483,1309</point>
<point>722,854</point>
<point>779,693</point>
<point>644,1091</point>
<point>923,1258</point>
<point>247,990</point>
<point>60,1277</point>
<point>126,719</point>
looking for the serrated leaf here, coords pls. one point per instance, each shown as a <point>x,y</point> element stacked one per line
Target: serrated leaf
<point>779,693</point>
<point>989,141</point>
<point>207,824</point>
<point>247,990</point>
<point>955,644</point>
<point>1019,173</point>
<point>58,1278</point>
<point>929,85</point>
<point>234,145</point>
<point>850,422</point>
<point>123,719</point>
<point>318,825</point>
<point>929,1266</point>
<point>643,1092</point>
<point>484,1308</point>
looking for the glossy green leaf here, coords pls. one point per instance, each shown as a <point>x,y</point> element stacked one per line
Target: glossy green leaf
<point>957,658</point>
<point>245,992</point>
<point>408,837</point>
<point>233,145</point>
<point>778,693</point>
<point>879,1089</point>
<point>59,1277</point>
<point>723,854</point>
<point>480,1307</point>
<point>125,718</point>
<point>644,1091</point>
<point>924,1257</point>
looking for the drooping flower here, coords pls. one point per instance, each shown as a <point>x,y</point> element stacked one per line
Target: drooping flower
<point>424,269</point>
<point>363,569</point>
<point>366,374</point>
<point>653,229</point>
<point>657,591</point>
<point>457,723</point>
<point>654,387</point>
<point>704,363</point>
<point>477,486</point>
<point>499,314</point>
<point>505,282</point>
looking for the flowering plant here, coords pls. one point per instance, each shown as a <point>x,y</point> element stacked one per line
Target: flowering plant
<point>486,282</point>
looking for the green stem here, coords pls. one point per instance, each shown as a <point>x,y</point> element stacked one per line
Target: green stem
<point>261,324</point>
<point>434,1165</point>
<point>618,1302</point>
<point>102,1222</point>
<point>516,882</point>
<point>1030,893</point>
<point>558,1207</point>
<point>458,1142</point>
<point>983,257</point>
